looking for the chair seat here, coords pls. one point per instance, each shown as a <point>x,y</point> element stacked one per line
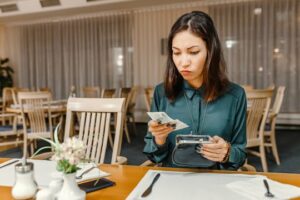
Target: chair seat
<point>10,128</point>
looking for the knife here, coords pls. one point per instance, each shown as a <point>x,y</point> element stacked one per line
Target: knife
<point>149,189</point>
<point>9,163</point>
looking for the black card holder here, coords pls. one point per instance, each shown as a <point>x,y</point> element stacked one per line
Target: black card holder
<point>91,187</point>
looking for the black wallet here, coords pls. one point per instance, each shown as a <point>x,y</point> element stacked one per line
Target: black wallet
<point>91,187</point>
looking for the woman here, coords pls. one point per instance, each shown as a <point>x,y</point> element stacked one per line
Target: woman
<point>197,92</point>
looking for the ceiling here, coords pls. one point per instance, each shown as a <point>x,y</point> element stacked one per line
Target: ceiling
<point>29,10</point>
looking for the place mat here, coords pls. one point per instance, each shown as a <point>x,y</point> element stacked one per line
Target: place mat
<point>254,189</point>
<point>188,185</point>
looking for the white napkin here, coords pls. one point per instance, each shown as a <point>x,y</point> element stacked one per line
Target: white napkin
<point>254,189</point>
<point>93,174</point>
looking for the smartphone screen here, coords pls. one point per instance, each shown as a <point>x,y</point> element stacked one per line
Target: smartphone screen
<point>90,186</point>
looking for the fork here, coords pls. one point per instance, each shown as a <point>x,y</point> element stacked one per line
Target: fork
<point>84,172</point>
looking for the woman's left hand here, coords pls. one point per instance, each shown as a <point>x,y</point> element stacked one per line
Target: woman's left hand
<point>216,151</point>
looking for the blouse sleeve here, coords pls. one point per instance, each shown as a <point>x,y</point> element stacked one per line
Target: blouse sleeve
<point>238,141</point>
<point>156,153</point>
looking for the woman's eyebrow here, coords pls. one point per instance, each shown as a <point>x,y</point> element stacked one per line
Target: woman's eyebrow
<point>187,48</point>
<point>193,47</point>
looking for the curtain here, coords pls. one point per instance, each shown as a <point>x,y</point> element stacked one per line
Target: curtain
<point>260,40</point>
<point>93,51</point>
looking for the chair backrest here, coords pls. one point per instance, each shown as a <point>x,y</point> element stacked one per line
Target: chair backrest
<point>91,92</point>
<point>16,93</point>
<point>127,94</point>
<point>278,99</point>
<point>35,107</point>
<point>7,97</point>
<point>132,100</point>
<point>247,87</point>
<point>44,89</point>
<point>148,97</point>
<point>258,107</point>
<point>35,110</point>
<point>95,115</point>
<point>108,93</point>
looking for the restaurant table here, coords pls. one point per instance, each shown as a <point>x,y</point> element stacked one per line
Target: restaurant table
<point>127,177</point>
<point>57,106</point>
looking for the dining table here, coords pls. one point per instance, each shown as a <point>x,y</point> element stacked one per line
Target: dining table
<point>126,178</point>
<point>55,106</point>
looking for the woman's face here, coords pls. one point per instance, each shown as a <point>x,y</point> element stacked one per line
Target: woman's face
<point>189,57</point>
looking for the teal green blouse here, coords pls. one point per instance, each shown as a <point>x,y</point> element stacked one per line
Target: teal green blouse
<point>225,117</point>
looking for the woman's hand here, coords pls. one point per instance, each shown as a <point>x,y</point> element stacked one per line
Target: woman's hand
<point>216,151</point>
<point>159,131</point>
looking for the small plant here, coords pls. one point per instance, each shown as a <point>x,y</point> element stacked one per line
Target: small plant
<point>68,154</point>
<point>6,72</point>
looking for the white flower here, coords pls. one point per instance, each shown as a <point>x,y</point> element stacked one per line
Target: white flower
<point>72,151</point>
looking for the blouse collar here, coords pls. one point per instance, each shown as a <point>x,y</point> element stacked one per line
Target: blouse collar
<point>190,91</point>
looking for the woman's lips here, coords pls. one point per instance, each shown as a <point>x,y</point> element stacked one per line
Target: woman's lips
<point>185,72</point>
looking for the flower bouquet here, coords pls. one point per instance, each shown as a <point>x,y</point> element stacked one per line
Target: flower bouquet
<point>67,155</point>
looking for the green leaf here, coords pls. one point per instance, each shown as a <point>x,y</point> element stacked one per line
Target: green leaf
<point>56,133</point>
<point>47,140</point>
<point>40,149</point>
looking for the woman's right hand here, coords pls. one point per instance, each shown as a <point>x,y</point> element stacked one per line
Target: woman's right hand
<point>159,131</point>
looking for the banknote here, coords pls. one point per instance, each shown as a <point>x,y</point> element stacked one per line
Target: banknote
<point>164,118</point>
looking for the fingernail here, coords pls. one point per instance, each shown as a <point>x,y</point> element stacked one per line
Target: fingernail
<point>173,126</point>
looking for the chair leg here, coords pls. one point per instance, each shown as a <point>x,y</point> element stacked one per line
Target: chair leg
<point>134,126</point>
<point>110,139</point>
<point>274,149</point>
<point>263,158</point>
<point>127,133</point>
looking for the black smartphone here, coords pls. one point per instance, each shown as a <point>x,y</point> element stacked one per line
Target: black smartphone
<point>91,187</point>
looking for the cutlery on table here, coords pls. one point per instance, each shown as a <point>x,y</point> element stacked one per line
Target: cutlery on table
<point>149,189</point>
<point>268,193</point>
<point>84,172</point>
<point>9,163</point>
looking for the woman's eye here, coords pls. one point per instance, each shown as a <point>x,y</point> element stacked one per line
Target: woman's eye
<point>194,52</point>
<point>176,53</point>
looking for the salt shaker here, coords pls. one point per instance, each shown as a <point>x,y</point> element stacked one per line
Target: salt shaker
<point>56,183</point>
<point>55,186</point>
<point>25,186</point>
<point>45,194</point>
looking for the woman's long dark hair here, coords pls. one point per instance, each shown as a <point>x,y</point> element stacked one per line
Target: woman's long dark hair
<point>215,80</point>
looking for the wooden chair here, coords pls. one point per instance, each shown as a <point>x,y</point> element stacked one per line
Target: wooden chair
<point>247,87</point>
<point>108,93</point>
<point>16,93</point>
<point>95,124</point>
<point>270,135</point>
<point>91,92</point>
<point>131,108</point>
<point>36,113</point>
<point>247,167</point>
<point>10,134</point>
<point>127,94</point>
<point>257,112</point>
<point>45,89</point>
<point>148,97</point>
<point>7,101</point>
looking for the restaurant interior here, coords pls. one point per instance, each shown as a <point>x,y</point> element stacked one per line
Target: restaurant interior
<point>87,70</point>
